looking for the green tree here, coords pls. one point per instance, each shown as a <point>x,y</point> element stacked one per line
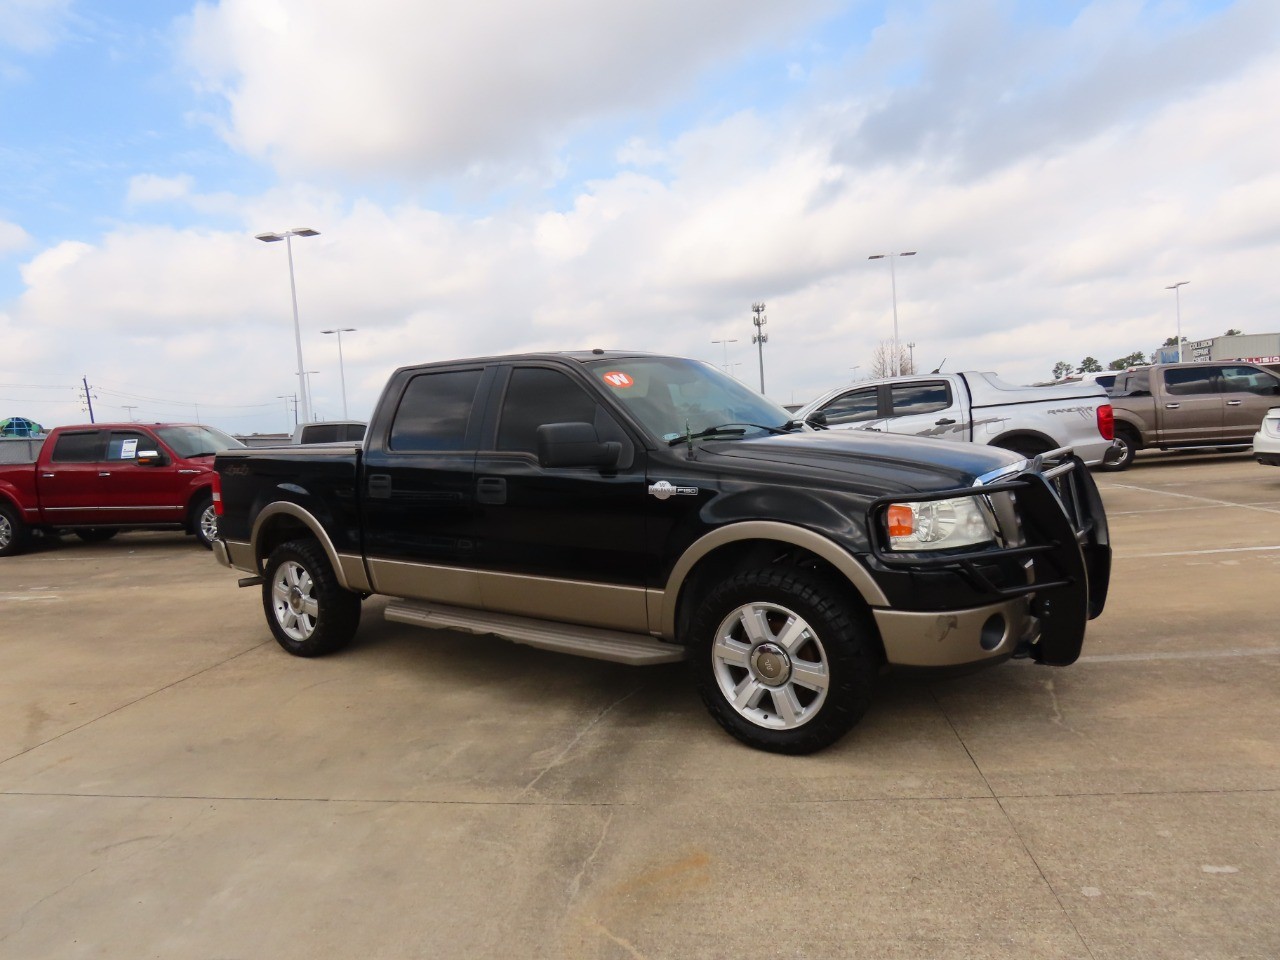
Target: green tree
<point>1134,359</point>
<point>1172,342</point>
<point>1233,332</point>
<point>1089,365</point>
<point>1061,369</point>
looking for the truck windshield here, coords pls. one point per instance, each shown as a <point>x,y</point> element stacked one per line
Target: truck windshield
<point>674,397</point>
<point>196,441</point>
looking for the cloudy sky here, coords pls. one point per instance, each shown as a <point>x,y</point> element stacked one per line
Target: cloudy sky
<point>495,176</point>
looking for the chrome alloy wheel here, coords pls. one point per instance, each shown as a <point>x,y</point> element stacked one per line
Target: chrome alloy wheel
<point>293,600</point>
<point>209,524</point>
<point>770,666</point>
<point>6,531</point>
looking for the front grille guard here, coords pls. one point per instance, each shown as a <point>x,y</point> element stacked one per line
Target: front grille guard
<point>1062,520</point>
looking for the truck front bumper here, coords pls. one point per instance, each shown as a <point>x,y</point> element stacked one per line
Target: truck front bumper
<point>953,638</point>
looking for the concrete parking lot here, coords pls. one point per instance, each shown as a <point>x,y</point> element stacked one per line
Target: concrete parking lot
<point>172,784</point>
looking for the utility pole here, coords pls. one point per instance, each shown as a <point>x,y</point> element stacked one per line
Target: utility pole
<point>131,407</point>
<point>88,398</point>
<point>760,338</point>
<point>726,351</point>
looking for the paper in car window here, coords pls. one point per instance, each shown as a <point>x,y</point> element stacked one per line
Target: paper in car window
<point>129,449</point>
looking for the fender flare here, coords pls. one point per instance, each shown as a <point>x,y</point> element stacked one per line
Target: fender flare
<point>349,571</point>
<point>848,565</point>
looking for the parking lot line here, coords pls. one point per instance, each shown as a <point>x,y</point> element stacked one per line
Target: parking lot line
<point>1190,496</point>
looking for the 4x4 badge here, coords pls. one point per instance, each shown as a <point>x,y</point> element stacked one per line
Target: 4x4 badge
<point>664,490</point>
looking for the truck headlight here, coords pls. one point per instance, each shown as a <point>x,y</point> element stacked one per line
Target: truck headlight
<point>940,524</point>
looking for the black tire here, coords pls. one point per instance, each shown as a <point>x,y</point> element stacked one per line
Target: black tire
<point>1128,449</point>
<point>309,614</point>
<point>14,533</point>
<point>203,521</point>
<point>95,534</point>
<point>780,710</point>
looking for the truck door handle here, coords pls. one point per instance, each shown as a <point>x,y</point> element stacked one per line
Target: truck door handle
<point>944,422</point>
<point>491,490</point>
<point>1172,406</point>
<point>380,486</point>
<point>47,476</point>
<point>1233,403</point>
<point>104,473</point>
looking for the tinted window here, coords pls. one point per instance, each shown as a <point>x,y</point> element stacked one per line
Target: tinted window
<point>1249,380</point>
<point>197,441</point>
<point>434,411</point>
<point>1185,381</point>
<point>909,398</point>
<point>534,397</point>
<point>79,447</point>
<point>854,406</point>
<point>321,433</point>
<point>354,431</point>
<point>126,445</point>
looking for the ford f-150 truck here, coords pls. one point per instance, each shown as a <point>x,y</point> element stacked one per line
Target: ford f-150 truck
<point>98,479</point>
<point>648,509</point>
<point>976,407</point>
<point>1181,405</point>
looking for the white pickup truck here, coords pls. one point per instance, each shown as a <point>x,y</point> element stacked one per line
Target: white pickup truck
<point>976,407</point>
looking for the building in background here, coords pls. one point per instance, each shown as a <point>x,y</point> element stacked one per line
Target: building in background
<point>1249,347</point>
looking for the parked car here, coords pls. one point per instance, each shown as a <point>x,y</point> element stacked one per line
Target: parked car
<point>329,431</point>
<point>1185,405</point>
<point>648,509</point>
<point>1266,442</point>
<point>975,407</point>
<point>98,479</point>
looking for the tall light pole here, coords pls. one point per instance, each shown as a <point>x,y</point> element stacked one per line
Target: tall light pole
<point>1177,304</point>
<point>760,337</point>
<point>289,398</point>
<point>306,381</point>
<point>341,372</point>
<point>726,351</point>
<point>893,285</point>
<point>287,236</point>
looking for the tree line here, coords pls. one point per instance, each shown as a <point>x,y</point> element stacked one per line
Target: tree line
<point>1064,368</point>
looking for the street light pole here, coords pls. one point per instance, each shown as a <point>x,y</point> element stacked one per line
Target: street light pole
<point>287,236</point>
<point>893,286</point>
<point>341,371</point>
<point>1177,304</point>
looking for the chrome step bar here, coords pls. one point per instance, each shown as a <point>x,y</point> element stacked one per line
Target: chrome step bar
<point>633,649</point>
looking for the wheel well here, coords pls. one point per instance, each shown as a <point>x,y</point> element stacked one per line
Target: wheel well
<point>734,558</point>
<point>1024,441</point>
<point>196,496</point>
<point>1133,436</point>
<point>279,529</point>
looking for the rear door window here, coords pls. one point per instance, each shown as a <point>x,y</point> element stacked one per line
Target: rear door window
<point>85,447</point>
<point>435,411</point>
<point>1190,381</point>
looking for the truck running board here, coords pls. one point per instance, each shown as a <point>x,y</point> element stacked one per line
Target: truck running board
<point>633,649</point>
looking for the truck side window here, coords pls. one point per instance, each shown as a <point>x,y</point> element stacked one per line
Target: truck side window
<point>434,411</point>
<point>78,447</point>
<point>1249,380</point>
<point>910,398</point>
<point>853,407</point>
<point>536,396</point>
<point>1186,381</point>
<point>125,446</point>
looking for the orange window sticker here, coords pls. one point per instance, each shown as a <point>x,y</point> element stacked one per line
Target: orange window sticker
<point>616,378</point>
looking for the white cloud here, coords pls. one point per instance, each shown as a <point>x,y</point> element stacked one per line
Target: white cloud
<point>32,26</point>
<point>422,89</point>
<point>149,188</point>
<point>12,238</point>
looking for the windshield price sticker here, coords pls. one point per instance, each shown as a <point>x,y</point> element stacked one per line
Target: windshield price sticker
<point>616,378</point>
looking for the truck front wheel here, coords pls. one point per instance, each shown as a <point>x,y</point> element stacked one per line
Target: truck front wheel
<point>13,531</point>
<point>203,521</point>
<point>308,612</point>
<point>782,660</point>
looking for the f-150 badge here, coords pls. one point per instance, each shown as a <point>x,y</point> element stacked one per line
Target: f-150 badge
<point>664,490</point>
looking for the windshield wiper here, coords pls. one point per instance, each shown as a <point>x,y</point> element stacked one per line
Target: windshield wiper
<point>730,430</point>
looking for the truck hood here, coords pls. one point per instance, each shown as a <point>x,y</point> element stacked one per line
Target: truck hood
<point>873,462</point>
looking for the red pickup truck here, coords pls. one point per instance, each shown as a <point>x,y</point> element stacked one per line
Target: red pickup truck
<point>98,479</point>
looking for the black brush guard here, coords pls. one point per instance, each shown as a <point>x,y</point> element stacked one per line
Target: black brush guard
<point>1064,532</point>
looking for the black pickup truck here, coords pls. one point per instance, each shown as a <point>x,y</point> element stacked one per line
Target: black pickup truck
<point>647,509</point>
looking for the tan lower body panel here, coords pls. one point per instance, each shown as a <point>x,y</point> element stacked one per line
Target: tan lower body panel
<point>954,637</point>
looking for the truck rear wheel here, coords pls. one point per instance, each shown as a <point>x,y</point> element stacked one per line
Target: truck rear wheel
<point>13,531</point>
<point>308,612</point>
<point>783,662</point>
<point>1128,445</point>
